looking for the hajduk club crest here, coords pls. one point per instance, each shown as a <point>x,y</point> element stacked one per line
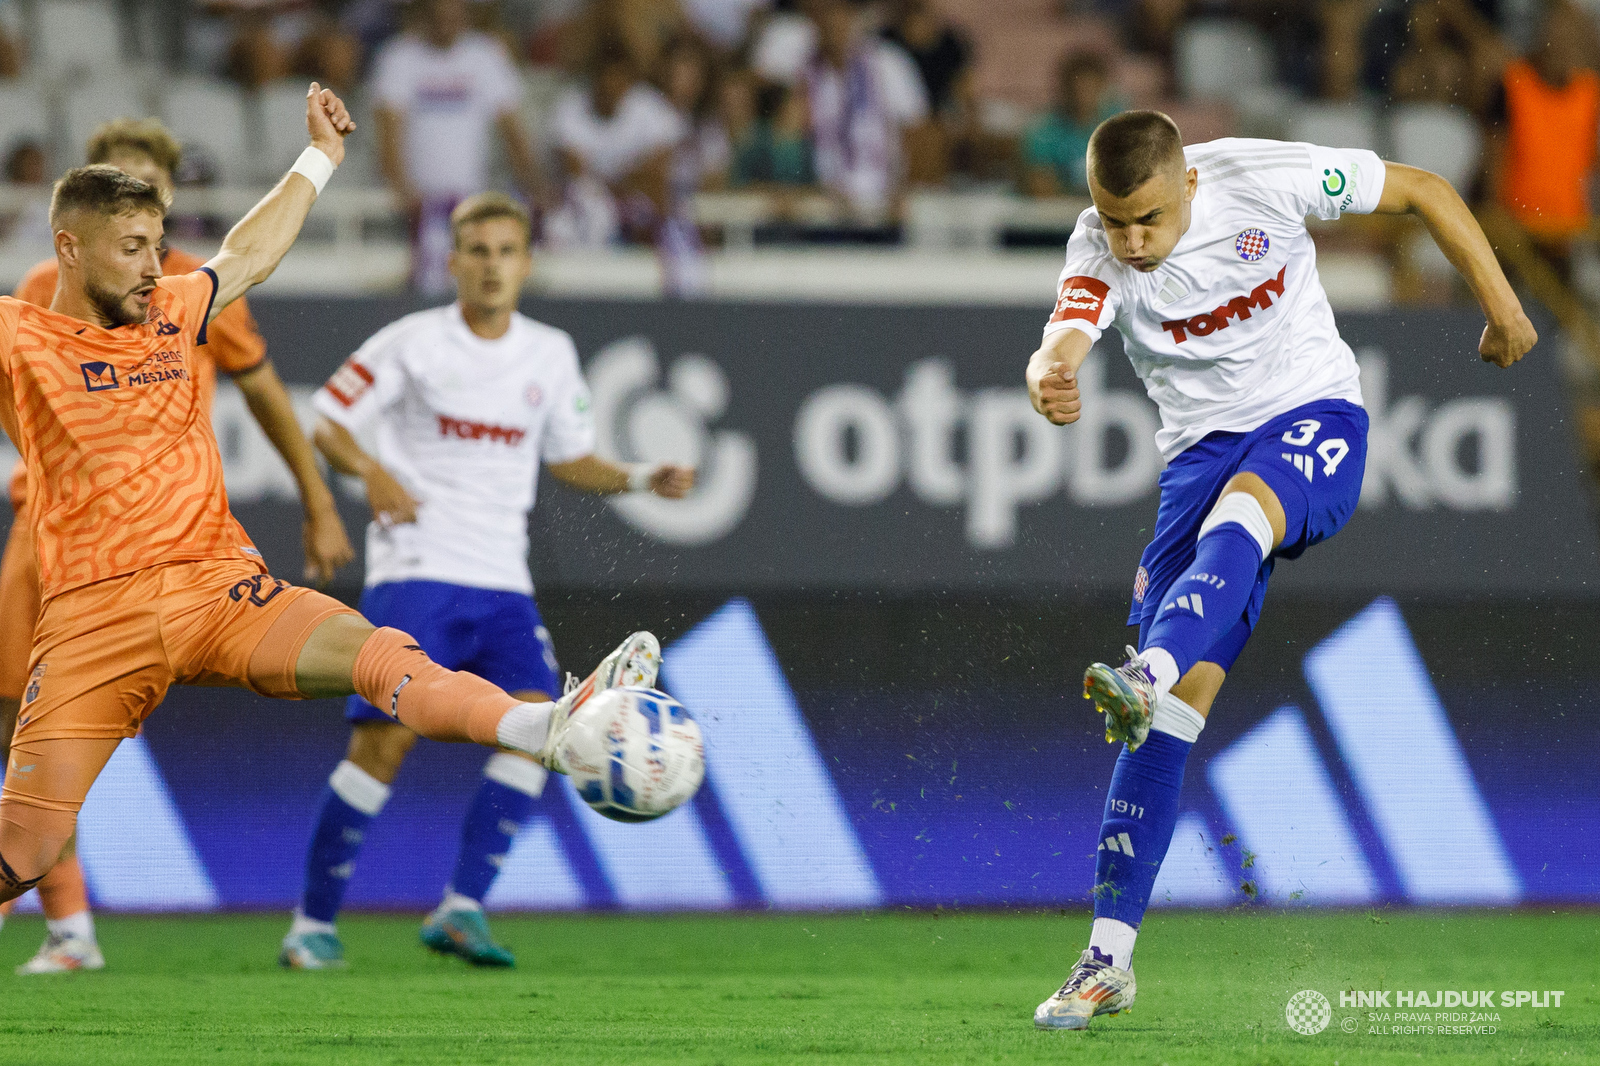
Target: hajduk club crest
<point>1252,244</point>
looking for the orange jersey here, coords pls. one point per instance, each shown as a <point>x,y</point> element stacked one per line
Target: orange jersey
<point>233,342</point>
<point>123,468</point>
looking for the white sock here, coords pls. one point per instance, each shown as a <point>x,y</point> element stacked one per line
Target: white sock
<point>525,727</point>
<point>455,901</point>
<point>303,925</point>
<point>1163,666</point>
<point>80,925</point>
<point>513,771</point>
<point>1116,939</point>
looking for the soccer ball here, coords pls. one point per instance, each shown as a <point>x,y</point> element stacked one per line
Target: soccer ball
<point>633,753</point>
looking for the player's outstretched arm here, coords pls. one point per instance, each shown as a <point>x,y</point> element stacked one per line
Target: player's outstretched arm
<point>389,500</point>
<point>1407,190</point>
<point>254,247</point>
<point>1053,375</point>
<point>327,544</point>
<point>605,478</point>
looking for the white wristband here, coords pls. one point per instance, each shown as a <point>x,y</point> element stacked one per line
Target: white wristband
<point>315,166</point>
<point>639,475</point>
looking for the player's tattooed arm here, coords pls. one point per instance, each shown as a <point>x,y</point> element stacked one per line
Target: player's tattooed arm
<point>1508,335</point>
<point>1053,375</point>
<point>255,246</point>
<point>605,478</point>
<point>390,502</point>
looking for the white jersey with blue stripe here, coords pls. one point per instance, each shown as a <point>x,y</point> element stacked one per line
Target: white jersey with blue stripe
<point>1233,328</point>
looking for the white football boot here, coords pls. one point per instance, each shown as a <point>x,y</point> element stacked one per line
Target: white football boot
<point>635,662</point>
<point>1126,695</point>
<point>1095,987</point>
<point>64,954</point>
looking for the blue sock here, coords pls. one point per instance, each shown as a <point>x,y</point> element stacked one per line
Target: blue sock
<point>1141,811</point>
<point>349,802</point>
<point>1209,599</point>
<point>505,799</point>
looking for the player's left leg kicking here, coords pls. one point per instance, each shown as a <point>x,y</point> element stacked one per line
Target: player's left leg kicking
<point>106,652</point>
<point>497,635</point>
<point>1230,505</point>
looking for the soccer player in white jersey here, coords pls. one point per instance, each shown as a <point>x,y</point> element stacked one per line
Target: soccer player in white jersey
<point>466,401</point>
<point>1200,258</point>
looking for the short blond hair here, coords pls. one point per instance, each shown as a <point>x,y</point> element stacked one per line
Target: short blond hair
<point>144,135</point>
<point>486,205</point>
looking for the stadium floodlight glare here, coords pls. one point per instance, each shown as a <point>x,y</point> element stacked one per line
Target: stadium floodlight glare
<point>1391,729</point>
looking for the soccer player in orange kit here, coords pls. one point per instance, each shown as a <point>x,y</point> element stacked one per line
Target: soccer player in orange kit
<point>145,149</point>
<point>146,579</point>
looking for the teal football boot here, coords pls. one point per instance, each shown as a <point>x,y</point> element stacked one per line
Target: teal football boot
<point>464,932</point>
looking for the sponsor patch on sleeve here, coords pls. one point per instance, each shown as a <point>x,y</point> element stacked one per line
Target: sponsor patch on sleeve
<point>1081,297</point>
<point>349,382</point>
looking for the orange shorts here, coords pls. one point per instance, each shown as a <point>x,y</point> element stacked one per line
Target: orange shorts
<point>105,654</point>
<point>19,606</point>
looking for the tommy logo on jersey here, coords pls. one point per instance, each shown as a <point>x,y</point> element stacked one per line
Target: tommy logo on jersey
<point>349,382</point>
<point>1081,297</point>
<point>99,377</point>
<point>1252,244</point>
<point>1240,307</point>
<point>463,429</point>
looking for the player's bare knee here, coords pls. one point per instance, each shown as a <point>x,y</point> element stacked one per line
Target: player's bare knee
<point>1199,687</point>
<point>327,660</point>
<point>380,748</point>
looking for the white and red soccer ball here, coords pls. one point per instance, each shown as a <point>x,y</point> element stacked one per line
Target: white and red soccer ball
<point>633,754</point>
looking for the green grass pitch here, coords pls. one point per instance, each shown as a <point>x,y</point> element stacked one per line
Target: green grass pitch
<point>859,988</point>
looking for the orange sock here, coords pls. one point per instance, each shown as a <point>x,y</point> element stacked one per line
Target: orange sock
<point>62,892</point>
<point>394,675</point>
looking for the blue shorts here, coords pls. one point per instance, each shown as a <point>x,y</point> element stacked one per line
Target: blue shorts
<point>1313,459</point>
<point>497,635</point>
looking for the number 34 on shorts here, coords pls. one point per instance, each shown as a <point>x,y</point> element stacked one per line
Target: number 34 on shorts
<point>1331,450</point>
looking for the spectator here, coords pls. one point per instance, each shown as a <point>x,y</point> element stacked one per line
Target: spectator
<point>943,57</point>
<point>1452,55</point>
<point>616,138</point>
<point>767,137</point>
<point>26,165</point>
<point>723,23</point>
<point>273,39</point>
<point>439,92</point>
<point>865,97</point>
<point>1055,146</point>
<point>643,29</point>
<point>689,81</point>
<point>1544,141</point>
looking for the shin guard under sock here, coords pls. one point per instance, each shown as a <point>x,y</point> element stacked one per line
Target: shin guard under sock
<point>1206,602</point>
<point>351,800</point>
<point>394,675</point>
<point>1141,813</point>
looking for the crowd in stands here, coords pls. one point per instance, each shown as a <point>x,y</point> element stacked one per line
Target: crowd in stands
<point>859,102</point>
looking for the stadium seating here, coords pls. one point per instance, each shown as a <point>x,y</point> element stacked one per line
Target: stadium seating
<point>87,104</point>
<point>209,119</point>
<point>1221,59</point>
<point>1439,137</point>
<point>75,36</point>
<point>1336,125</point>
<point>23,115</point>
